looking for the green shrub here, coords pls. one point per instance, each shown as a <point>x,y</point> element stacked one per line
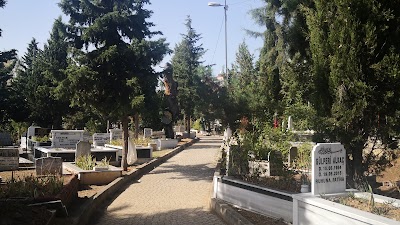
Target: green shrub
<point>32,187</point>
<point>86,162</point>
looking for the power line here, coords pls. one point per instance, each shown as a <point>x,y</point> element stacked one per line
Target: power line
<point>219,35</point>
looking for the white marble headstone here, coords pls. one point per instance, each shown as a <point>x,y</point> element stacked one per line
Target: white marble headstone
<point>82,149</point>
<point>115,134</point>
<point>147,132</point>
<point>66,138</point>
<point>100,139</point>
<point>328,168</point>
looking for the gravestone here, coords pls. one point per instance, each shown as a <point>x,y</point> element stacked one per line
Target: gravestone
<point>49,165</point>
<point>147,132</point>
<point>66,138</point>
<point>9,159</point>
<point>82,149</point>
<point>100,139</point>
<point>115,134</point>
<point>293,151</point>
<point>328,168</point>
<point>5,139</point>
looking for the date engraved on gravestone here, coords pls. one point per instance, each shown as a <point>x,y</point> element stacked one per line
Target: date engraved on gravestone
<point>328,168</point>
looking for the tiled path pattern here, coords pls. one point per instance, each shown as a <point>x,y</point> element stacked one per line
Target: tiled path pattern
<point>176,192</point>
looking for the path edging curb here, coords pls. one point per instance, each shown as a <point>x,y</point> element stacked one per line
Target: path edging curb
<point>92,205</point>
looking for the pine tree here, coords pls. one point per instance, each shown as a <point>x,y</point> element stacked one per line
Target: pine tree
<point>113,55</point>
<point>5,74</point>
<point>355,53</point>
<point>186,62</point>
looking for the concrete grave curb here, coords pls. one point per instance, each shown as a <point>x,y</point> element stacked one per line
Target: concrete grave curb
<point>224,210</point>
<point>112,188</point>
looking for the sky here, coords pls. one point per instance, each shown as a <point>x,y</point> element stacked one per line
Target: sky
<point>22,20</point>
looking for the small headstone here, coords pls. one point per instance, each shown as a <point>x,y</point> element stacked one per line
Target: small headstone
<point>49,165</point>
<point>9,159</point>
<point>147,132</point>
<point>82,149</point>
<point>5,139</point>
<point>292,155</point>
<point>328,168</point>
<point>100,139</point>
<point>115,134</point>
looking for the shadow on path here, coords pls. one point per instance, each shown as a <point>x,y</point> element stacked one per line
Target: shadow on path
<point>192,216</point>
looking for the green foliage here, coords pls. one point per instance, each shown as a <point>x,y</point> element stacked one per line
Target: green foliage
<point>32,187</point>
<point>303,160</point>
<point>6,65</point>
<point>197,125</point>
<point>104,162</point>
<point>115,77</point>
<point>41,139</point>
<point>86,162</point>
<point>264,139</point>
<point>186,63</point>
<point>142,141</point>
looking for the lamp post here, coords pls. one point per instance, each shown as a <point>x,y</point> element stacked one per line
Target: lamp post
<point>215,4</point>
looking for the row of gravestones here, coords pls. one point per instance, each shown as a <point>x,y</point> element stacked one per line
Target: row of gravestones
<point>69,138</point>
<point>53,165</point>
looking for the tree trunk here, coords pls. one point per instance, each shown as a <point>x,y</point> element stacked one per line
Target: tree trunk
<point>124,162</point>
<point>136,125</point>
<point>188,124</point>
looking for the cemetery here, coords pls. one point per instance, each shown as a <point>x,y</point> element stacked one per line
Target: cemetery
<point>308,112</point>
<point>308,187</point>
<point>67,161</point>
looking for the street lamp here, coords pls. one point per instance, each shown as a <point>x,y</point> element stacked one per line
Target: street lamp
<point>216,4</point>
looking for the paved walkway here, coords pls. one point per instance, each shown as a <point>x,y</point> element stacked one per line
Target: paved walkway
<point>176,192</point>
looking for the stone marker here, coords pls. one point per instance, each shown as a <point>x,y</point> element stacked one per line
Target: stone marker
<point>100,139</point>
<point>293,151</point>
<point>82,149</point>
<point>328,169</point>
<point>9,159</point>
<point>66,138</point>
<point>115,134</point>
<point>147,132</point>
<point>5,139</point>
<point>49,165</point>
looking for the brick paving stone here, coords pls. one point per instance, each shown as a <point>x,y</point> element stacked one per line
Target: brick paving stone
<point>175,193</point>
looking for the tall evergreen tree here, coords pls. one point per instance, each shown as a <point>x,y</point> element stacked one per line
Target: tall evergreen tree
<point>5,75</point>
<point>113,58</point>
<point>186,62</point>
<point>355,54</point>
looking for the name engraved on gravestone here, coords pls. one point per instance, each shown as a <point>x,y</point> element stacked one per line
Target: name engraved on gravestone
<point>100,139</point>
<point>66,138</point>
<point>82,149</point>
<point>328,168</point>
<point>9,159</point>
<point>48,165</point>
<point>147,132</point>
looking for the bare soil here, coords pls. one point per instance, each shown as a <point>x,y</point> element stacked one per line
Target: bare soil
<point>382,209</point>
